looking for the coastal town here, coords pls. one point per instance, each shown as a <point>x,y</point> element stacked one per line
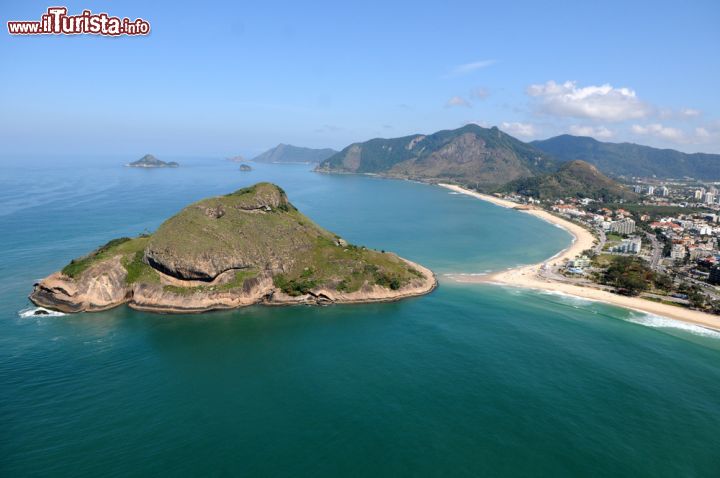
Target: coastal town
<point>662,248</point>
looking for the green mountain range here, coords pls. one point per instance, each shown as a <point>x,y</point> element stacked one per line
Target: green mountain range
<point>628,159</point>
<point>572,179</point>
<point>482,157</point>
<point>286,153</point>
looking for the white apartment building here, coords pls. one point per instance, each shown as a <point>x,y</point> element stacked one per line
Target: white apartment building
<point>624,226</point>
<point>629,246</point>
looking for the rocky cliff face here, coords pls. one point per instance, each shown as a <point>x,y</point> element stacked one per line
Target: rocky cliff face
<point>248,247</point>
<point>102,287</point>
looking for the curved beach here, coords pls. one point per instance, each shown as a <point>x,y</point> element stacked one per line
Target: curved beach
<point>528,276</point>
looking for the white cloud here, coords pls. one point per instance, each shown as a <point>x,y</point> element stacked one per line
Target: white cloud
<point>457,101</point>
<point>702,133</point>
<point>690,112</point>
<point>706,134</point>
<point>595,102</point>
<point>659,131</point>
<point>519,129</point>
<point>595,132</point>
<point>466,68</point>
<point>682,114</point>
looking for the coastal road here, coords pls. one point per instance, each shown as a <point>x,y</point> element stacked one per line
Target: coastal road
<point>602,239</point>
<point>656,254</point>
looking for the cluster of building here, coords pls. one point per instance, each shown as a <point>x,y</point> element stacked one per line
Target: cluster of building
<point>691,236</point>
<point>690,240</point>
<point>706,197</point>
<point>650,190</point>
<point>682,193</point>
<point>675,228</point>
<point>618,221</point>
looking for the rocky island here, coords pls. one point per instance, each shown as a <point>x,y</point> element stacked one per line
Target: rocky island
<point>150,161</point>
<point>245,167</point>
<point>248,247</point>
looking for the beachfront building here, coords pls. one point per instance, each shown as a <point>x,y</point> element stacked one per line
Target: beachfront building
<point>624,226</point>
<point>580,262</point>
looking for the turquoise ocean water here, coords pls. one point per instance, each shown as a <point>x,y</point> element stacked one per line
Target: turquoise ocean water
<point>471,380</point>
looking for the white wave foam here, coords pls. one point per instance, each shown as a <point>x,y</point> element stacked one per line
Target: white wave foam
<point>39,312</point>
<point>465,274</point>
<point>568,297</point>
<point>657,321</point>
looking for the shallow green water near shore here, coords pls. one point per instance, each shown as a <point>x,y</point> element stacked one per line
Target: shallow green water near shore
<point>469,380</point>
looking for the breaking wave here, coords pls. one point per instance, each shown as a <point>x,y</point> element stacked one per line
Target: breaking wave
<point>39,312</point>
<point>657,321</point>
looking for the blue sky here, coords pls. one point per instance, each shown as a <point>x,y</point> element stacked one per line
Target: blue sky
<point>221,78</point>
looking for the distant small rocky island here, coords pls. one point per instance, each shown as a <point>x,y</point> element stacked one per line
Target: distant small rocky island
<point>245,167</point>
<point>248,247</point>
<point>150,161</point>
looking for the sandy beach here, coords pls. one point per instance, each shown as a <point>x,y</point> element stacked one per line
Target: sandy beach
<point>528,276</point>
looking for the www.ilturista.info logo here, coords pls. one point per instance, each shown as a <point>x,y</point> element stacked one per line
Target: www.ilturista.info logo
<point>57,22</point>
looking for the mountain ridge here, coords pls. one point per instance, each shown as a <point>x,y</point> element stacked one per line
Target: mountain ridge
<point>631,159</point>
<point>486,157</point>
<point>287,153</point>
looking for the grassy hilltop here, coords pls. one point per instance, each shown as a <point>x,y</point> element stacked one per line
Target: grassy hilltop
<point>232,243</point>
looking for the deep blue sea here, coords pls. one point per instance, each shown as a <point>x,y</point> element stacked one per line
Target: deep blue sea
<point>471,380</point>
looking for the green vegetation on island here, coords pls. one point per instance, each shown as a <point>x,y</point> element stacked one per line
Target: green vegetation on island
<point>258,228</point>
<point>246,247</point>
